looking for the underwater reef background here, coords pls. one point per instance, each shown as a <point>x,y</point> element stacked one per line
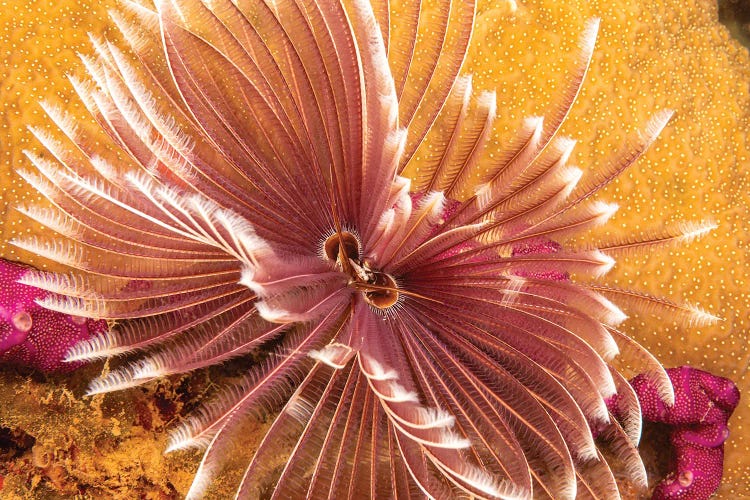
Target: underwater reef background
<point>650,55</point>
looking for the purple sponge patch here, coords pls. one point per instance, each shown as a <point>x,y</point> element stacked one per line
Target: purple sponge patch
<point>31,335</point>
<point>698,428</point>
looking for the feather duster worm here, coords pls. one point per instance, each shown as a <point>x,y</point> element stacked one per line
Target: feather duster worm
<point>425,335</point>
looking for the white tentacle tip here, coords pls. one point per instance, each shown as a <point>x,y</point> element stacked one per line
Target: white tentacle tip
<point>335,355</point>
<point>700,317</point>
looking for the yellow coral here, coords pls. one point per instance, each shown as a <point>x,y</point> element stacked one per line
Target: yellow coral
<point>40,40</point>
<point>650,55</point>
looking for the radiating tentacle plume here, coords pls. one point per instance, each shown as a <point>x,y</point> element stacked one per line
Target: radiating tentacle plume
<point>437,335</point>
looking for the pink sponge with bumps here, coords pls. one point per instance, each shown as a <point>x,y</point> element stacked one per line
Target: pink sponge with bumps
<point>698,420</point>
<point>31,335</point>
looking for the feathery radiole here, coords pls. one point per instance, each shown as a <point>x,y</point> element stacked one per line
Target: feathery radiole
<point>419,340</point>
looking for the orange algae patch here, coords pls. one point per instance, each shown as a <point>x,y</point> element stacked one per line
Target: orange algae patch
<point>93,447</point>
<point>650,55</point>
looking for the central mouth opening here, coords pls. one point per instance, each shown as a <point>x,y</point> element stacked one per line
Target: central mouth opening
<point>378,288</point>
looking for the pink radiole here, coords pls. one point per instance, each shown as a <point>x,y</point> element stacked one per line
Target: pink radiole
<point>31,335</point>
<point>698,420</point>
<point>284,180</point>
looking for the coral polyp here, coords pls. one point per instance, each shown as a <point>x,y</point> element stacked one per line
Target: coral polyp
<point>441,334</point>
